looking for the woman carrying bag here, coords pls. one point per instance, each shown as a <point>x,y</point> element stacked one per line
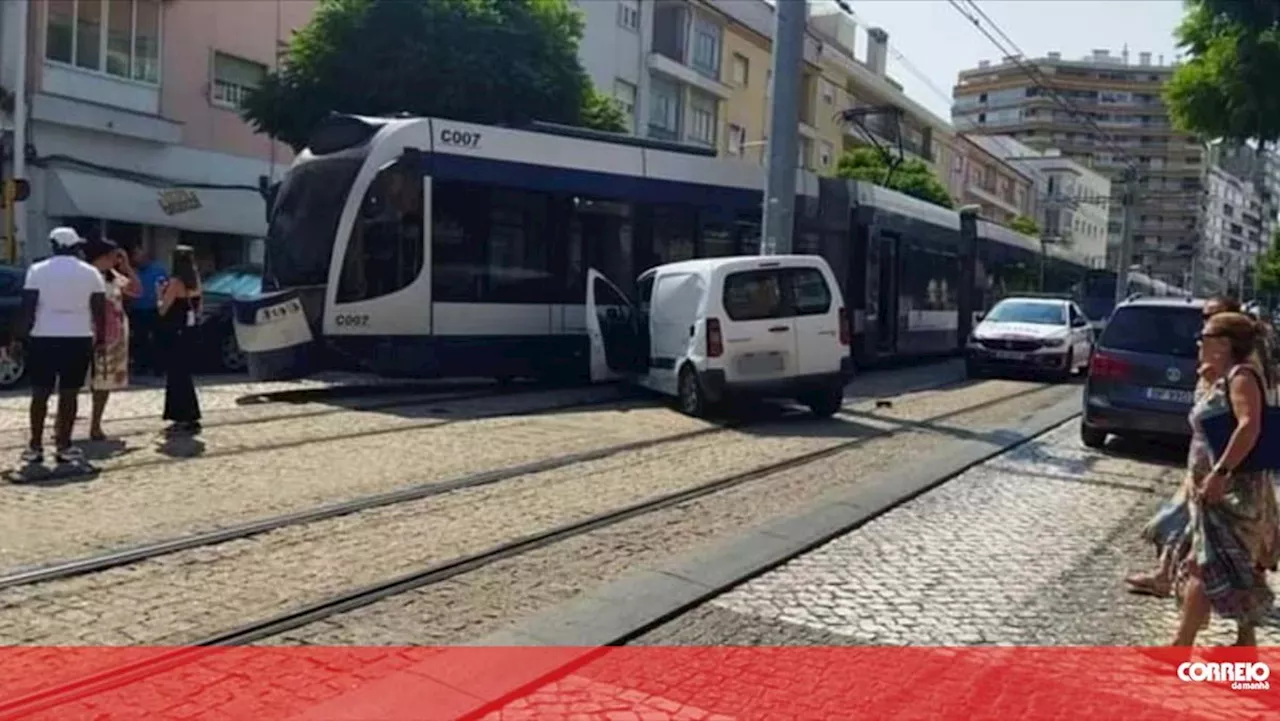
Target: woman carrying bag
<point>1232,535</point>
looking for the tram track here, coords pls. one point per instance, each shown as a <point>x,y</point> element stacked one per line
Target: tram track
<point>435,573</point>
<point>155,549</point>
<point>404,402</point>
<point>610,396</point>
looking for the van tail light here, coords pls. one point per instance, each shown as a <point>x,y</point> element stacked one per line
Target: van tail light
<point>1108,367</point>
<point>715,342</point>
<point>844,327</point>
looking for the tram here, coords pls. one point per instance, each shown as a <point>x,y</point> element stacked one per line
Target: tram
<point>421,247</point>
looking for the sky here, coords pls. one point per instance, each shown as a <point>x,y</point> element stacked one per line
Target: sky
<point>938,41</point>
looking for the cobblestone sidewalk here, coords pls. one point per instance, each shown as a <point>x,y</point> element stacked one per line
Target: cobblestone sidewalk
<point>1029,549</point>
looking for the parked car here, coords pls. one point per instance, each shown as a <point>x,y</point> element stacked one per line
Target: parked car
<point>217,331</point>
<point>1143,375</point>
<point>1030,333</point>
<point>13,367</point>
<point>708,330</point>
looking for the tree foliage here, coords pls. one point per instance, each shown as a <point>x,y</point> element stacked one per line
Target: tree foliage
<point>1269,268</point>
<point>1227,87</point>
<point>1025,225</point>
<point>483,61</point>
<point>912,177</point>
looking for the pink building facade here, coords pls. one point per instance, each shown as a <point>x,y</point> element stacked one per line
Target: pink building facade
<point>132,121</point>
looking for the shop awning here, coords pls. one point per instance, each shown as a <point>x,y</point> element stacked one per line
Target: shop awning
<point>72,193</point>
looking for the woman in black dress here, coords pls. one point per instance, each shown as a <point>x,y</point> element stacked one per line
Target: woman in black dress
<point>179,311</point>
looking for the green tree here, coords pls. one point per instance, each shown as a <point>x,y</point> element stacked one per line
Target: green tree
<point>1269,268</point>
<point>1226,89</point>
<point>912,177</point>
<point>483,61</point>
<point>1025,225</point>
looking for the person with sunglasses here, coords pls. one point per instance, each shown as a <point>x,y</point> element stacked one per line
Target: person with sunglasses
<point>1232,537</point>
<point>1165,529</point>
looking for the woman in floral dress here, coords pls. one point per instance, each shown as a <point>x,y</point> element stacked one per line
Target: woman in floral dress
<point>111,366</point>
<point>1232,533</point>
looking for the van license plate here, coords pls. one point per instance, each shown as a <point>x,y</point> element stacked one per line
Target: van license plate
<point>1170,395</point>
<point>1009,355</point>
<point>757,364</point>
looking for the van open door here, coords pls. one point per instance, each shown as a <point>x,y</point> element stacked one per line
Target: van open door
<point>612,331</point>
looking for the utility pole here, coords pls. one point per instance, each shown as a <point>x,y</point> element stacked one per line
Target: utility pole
<point>1127,201</point>
<point>778,222</point>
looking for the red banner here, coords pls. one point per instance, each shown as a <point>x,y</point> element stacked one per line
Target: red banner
<point>681,684</point>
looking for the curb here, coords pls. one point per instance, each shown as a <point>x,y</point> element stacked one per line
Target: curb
<point>452,686</point>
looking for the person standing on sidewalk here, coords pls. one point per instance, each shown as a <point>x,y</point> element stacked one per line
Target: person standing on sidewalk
<point>179,310</point>
<point>144,314</point>
<point>1233,534</point>
<point>64,314</point>
<point>111,366</point>
<point>1168,526</point>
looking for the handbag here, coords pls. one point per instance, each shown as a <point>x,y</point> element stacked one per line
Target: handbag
<point>1218,428</point>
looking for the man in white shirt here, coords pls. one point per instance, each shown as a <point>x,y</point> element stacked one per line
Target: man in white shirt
<point>64,311</point>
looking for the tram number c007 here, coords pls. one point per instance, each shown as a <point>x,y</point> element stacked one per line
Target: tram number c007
<point>351,321</point>
<point>460,138</point>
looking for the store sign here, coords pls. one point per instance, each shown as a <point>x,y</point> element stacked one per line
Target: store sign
<point>178,200</point>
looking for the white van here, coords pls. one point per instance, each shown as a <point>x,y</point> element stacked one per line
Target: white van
<point>704,330</point>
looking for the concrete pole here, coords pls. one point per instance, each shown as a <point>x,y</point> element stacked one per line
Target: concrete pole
<point>778,222</point>
<point>19,240</point>
<point>1128,199</point>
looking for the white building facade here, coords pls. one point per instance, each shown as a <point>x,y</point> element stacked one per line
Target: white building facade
<point>132,120</point>
<point>1072,202</point>
<point>1236,232</point>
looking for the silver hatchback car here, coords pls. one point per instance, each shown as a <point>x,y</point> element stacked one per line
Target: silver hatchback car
<point>1142,376</point>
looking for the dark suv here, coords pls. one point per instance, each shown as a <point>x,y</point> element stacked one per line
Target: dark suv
<point>1142,376</point>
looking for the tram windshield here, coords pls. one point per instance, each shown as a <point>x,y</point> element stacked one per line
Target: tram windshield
<point>1020,311</point>
<point>304,221</point>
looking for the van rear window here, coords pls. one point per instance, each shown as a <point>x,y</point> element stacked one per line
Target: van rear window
<point>776,293</point>
<point>1153,329</point>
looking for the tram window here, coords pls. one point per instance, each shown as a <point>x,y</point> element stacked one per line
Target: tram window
<point>748,236</point>
<point>929,279</point>
<point>384,253</point>
<point>715,234</point>
<point>673,232</point>
<point>516,261</point>
<point>600,233</point>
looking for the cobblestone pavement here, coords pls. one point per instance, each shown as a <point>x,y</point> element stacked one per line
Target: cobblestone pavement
<point>483,601</point>
<point>183,596</point>
<point>41,522</point>
<point>1029,549</point>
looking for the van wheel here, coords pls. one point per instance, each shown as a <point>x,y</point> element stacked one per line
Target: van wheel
<point>825,404</point>
<point>692,400</point>
<point>1092,437</point>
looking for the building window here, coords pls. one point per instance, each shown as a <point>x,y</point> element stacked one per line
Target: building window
<point>827,151</point>
<point>624,94</point>
<point>629,15</point>
<point>804,151</point>
<point>117,37</point>
<point>702,120</point>
<point>233,80</point>
<point>828,92</point>
<point>664,115</point>
<point>737,140</point>
<point>741,71</point>
<point>706,48</point>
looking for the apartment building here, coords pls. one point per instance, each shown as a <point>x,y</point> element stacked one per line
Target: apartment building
<point>656,58</point>
<point>1236,231</point>
<point>1122,99</point>
<point>1071,202</point>
<point>133,119</point>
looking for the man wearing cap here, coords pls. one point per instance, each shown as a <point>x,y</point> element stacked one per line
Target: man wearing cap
<point>63,312</point>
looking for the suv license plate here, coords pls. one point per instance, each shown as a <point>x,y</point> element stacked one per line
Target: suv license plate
<point>1009,355</point>
<point>1170,395</point>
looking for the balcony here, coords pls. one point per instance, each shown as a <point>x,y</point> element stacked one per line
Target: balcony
<point>687,48</point>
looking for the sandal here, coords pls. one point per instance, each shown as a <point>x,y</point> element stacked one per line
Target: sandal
<point>1147,585</point>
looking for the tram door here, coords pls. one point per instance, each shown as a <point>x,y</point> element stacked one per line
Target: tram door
<point>887,294</point>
